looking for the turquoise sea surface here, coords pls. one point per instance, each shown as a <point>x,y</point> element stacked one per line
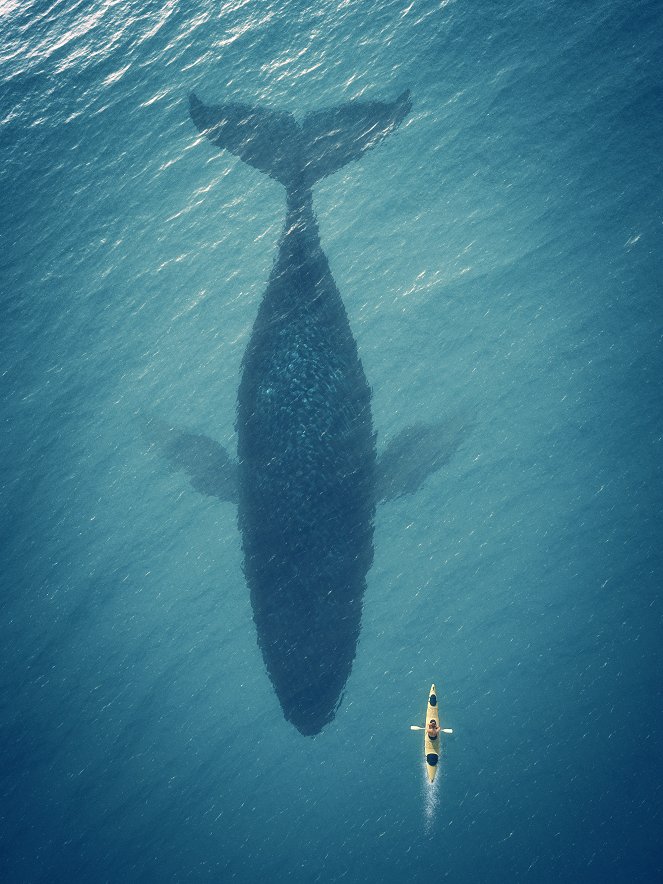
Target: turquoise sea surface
<point>500,258</point>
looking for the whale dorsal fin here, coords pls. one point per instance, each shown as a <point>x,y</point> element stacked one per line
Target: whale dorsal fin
<point>338,135</point>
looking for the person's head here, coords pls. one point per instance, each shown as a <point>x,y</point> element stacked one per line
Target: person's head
<point>431,723</point>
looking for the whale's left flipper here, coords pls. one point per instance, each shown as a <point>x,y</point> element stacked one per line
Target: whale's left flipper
<point>416,453</point>
<point>208,465</point>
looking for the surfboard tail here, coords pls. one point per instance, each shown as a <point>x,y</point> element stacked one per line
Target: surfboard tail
<point>299,155</point>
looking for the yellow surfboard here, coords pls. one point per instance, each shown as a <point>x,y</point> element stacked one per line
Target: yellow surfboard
<point>432,747</point>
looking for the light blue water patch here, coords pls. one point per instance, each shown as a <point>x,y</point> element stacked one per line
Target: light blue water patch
<point>500,262</point>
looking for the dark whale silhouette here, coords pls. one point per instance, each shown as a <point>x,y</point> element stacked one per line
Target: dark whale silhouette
<point>307,479</point>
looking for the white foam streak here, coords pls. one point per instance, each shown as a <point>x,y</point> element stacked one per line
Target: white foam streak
<point>431,799</point>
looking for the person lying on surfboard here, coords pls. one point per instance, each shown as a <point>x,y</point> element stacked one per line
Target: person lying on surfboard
<point>433,729</point>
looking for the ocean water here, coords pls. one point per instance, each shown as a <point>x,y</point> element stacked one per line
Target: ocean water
<point>500,260</point>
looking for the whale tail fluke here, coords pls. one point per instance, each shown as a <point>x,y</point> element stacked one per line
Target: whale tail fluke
<point>298,156</point>
<point>337,136</point>
<point>260,137</point>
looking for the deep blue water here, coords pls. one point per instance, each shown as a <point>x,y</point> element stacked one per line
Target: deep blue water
<point>500,259</point>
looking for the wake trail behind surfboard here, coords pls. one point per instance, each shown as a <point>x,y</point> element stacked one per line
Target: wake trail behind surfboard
<point>431,799</point>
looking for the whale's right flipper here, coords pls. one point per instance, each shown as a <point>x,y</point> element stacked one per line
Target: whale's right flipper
<point>208,465</point>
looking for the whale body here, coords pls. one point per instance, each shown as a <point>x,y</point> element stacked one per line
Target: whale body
<point>306,444</point>
<point>307,457</point>
<point>307,479</point>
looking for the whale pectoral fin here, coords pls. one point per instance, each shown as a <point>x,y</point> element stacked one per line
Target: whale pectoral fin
<point>415,454</point>
<point>208,465</point>
<point>265,139</point>
<point>338,135</point>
